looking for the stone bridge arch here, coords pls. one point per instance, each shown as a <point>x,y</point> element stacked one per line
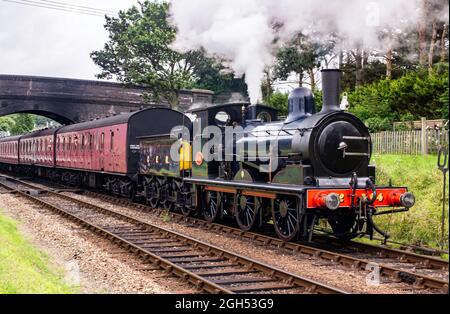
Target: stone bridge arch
<point>71,100</point>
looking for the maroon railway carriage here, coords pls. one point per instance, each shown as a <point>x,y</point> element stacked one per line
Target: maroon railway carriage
<point>98,153</point>
<point>9,150</point>
<point>37,148</point>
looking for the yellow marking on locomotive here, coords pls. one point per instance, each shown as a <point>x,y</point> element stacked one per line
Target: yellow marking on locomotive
<point>185,156</point>
<point>342,197</point>
<point>380,197</point>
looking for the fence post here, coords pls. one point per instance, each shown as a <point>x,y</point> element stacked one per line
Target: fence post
<point>424,136</point>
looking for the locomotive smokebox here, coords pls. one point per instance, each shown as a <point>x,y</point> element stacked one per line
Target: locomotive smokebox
<point>331,90</point>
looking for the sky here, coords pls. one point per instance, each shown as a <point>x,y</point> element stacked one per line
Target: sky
<point>47,42</point>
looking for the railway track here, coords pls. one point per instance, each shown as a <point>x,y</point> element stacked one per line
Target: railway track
<point>207,267</point>
<point>420,271</point>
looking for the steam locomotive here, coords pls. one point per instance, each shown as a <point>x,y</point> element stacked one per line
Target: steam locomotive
<point>232,160</point>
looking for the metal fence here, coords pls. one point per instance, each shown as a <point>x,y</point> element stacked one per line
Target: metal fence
<point>413,142</point>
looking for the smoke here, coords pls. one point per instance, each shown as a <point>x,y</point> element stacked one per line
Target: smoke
<point>243,32</point>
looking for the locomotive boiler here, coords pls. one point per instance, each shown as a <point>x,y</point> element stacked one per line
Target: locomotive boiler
<point>331,143</point>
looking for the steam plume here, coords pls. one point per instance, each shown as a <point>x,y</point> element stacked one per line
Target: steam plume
<point>242,31</point>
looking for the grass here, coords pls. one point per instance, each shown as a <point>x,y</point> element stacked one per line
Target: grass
<point>23,268</point>
<point>422,224</point>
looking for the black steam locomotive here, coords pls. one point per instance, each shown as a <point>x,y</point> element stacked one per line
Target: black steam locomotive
<point>232,160</point>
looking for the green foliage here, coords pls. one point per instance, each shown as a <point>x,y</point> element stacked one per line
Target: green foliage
<point>318,99</point>
<point>23,269</point>
<point>300,55</point>
<point>422,223</point>
<point>279,101</point>
<point>139,52</point>
<point>444,101</point>
<point>414,95</point>
<point>17,124</point>
<point>208,75</point>
<point>377,124</point>
<point>6,123</point>
<point>24,123</point>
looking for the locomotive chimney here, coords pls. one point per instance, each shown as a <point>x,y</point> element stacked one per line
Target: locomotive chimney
<point>331,90</point>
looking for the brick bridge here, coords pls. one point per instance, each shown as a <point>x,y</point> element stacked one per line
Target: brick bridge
<point>70,100</point>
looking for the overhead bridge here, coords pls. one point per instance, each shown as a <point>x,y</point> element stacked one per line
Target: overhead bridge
<point>71,100</point>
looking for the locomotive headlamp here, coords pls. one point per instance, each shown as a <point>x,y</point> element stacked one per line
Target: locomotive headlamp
<point>332,201</point>
<point>408,200</point>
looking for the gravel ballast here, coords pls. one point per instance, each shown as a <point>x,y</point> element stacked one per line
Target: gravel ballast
<point>87,260</point>
<point>106,268</point>
<point>315,268</point>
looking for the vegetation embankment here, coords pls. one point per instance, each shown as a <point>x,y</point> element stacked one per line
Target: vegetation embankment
<point>422,224</point>
<point>23,268</point>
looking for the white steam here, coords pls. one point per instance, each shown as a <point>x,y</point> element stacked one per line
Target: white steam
<point>242,31</point>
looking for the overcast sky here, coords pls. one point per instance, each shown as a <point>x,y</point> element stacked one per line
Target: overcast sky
<point>47,42</point>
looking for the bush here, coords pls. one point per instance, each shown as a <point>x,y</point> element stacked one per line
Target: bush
<point>410,97</point>
<point>377,124</point>
<point>279,100</point>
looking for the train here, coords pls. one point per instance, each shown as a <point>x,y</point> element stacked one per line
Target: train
<point>232,160</point>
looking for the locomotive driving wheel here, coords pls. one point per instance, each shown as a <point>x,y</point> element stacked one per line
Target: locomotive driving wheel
<point>154,200</point>
<point>167,205</point>
<point>285,217</point>
<point>247,210</point>
<point>186,210</point>
<point>212,209</point>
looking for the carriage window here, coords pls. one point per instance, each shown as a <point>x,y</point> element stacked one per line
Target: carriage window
<point>82,142</point>
<point>91,138</point>
<point>112,142</point>
<point>102,140</point>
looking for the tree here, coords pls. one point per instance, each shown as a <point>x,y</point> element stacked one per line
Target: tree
<point>139,52</point>
<point>213,75</point>
<point>6,124</point>
<point>302,55</point>
<point>24,123</point>
<point>279,101</point>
